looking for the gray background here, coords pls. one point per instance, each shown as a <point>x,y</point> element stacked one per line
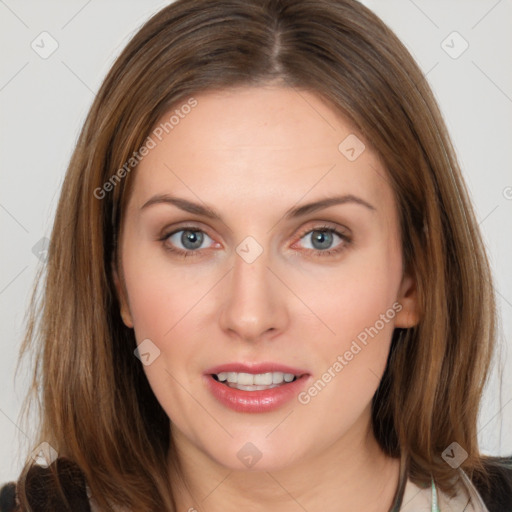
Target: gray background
<point>44,102</point>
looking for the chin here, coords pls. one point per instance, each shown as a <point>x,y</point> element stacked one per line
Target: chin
<point>256,453</point>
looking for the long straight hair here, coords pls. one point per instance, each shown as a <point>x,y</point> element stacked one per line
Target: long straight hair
<point>95,403</point>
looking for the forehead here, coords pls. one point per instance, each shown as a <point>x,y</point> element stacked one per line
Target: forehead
<point>250,142</point>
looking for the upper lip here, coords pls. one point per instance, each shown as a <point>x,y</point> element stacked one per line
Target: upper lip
<point>255,368</point>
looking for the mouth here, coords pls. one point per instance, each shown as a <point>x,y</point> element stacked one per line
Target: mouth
<point>254,382</point>
<point>258,387</point>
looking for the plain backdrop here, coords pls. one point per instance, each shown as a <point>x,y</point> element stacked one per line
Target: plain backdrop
<point>464,47</point>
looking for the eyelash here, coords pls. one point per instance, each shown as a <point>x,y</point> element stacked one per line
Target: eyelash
<point>346,241</point>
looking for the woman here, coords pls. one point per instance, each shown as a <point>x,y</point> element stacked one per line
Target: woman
<point>266,287</point>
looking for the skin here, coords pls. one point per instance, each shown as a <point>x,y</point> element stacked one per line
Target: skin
<point>251,154</point>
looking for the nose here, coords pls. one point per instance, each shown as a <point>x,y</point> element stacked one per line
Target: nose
<point>254,306</point>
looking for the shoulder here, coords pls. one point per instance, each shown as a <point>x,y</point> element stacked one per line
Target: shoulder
<point>497,494</point>
<point>472,495</point>
<point>431,499</point>
<point>43,492</point>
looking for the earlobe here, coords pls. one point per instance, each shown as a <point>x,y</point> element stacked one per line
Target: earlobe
<point>408,316</point>
<point>122,297</point>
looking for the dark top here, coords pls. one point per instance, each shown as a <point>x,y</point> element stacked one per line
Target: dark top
<point>42,492</point>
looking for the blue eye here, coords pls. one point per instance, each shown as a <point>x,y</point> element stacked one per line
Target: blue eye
<point>322,239</point>
<point>190,239</point>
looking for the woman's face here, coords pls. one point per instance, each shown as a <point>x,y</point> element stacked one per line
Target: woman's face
<point>232,265</point>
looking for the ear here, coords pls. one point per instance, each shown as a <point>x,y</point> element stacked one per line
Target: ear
<point>122,297</point>
<point>408,316</point>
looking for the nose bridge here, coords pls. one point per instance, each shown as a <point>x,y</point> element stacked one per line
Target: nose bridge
<point>250,272</point>
<point>254,303</point>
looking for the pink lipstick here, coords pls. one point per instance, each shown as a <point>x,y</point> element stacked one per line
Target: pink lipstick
<point>255,387</point>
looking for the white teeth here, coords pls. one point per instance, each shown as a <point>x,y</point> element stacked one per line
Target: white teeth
<point>245,379</point>
<point>259,379</point>
<point>262,379</point>
<point>277,377</point>
<point>251,388</point>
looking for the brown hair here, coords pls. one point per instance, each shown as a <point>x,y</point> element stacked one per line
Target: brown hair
<point>92,386</point>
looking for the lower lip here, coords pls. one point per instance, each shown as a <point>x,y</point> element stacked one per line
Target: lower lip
<point>255,401</point>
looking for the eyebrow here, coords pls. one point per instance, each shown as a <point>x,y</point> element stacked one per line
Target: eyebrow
<point>299,211</point>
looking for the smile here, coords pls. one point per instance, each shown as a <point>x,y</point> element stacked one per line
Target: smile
<point>254,382</point>
<point>254,388</point>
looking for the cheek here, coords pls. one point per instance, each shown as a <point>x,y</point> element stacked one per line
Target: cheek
<point>353,297</point>
<point>357,302</point>
<point>168,306</point>
<point>161,295</point>
<point>165,304</point>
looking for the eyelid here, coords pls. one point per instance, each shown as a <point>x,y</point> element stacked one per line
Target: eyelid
<point>169,230</point>
<point>318,225</point>
<point>342,232</point>
<point>166,233</point>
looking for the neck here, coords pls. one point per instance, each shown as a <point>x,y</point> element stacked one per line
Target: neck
<point>353,474</point>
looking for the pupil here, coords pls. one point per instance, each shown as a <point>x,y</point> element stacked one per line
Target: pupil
<point>324,238</point>
<point>192,239</point>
